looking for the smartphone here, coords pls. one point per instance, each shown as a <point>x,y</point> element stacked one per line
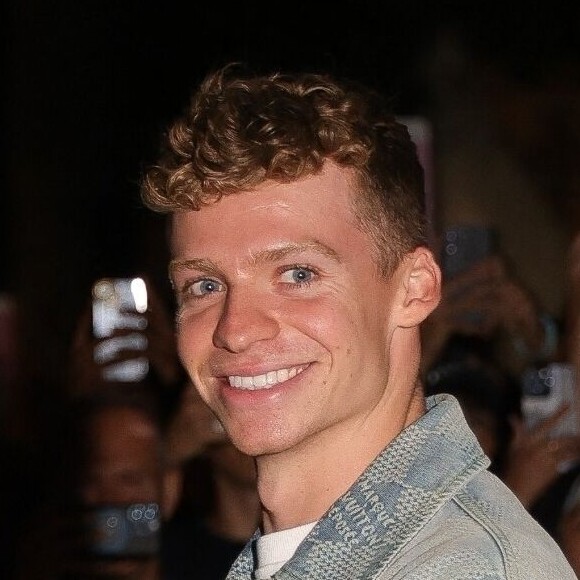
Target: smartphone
<point>123,531</point>
<point>546,389</point>
<point>464,246</point>
<point>120,304</point>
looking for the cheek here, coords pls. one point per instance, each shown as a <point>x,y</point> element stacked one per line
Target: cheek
<point>338,328</point>
<point>325,320</point>
<point>191,344</point>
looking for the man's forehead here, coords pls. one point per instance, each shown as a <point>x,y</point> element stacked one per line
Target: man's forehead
<point>315,213</point>
<point>237,203</point>
<point>271,254</point>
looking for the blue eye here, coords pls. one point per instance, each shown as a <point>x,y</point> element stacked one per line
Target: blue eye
<point>205,287</point>
<point>298,275</point>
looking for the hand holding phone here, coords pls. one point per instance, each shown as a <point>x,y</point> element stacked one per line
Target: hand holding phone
<point>545,441</point>
<point>544,391</point>
<point>119,321</point>
<point>549,402</point>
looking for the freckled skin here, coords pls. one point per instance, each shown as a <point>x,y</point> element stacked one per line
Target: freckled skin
<point>340,326</point>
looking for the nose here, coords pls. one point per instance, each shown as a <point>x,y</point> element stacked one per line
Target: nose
<point>244,321</point>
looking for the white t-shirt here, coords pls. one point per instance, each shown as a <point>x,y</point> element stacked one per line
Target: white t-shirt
<point>275,549</point>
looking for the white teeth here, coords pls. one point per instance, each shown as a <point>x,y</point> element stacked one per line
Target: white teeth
<point>261,381</point>
<point>266,380</point>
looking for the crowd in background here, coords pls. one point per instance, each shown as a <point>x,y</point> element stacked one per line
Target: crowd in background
<point>153,442</point>
<point>59,452</point>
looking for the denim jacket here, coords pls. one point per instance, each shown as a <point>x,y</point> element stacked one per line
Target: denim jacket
<point>425,508</point>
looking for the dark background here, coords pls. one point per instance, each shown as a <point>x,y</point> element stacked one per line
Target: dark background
<point>88,87</point>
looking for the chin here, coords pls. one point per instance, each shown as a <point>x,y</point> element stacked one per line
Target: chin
<point>261,441</point>
<point>256,448</point>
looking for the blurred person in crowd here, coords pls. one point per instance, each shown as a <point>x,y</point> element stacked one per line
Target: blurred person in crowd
<point>541,467</point>
<point>219,509</point>
<point>480,306</point>
<point>10,360</point>
<point>126,463</point>
<point>487,307</point>
<point>109,453</point>
<point>302,276</point>
<point>459,346</point>
<point>555,507</point>
<point>528,460</point>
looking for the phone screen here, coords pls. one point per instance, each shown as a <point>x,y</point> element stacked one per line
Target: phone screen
<point>123,531</point>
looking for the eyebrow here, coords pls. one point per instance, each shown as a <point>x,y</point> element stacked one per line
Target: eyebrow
<point>281,252</point>
<point>200,264</point>
<point>263,256</point>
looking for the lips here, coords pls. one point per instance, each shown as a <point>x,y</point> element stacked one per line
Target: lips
<point>265,380</point>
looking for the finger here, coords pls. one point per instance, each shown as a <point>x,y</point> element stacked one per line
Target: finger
<point>120,348</point>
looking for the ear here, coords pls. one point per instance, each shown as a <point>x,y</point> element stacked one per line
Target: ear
<point>421,287</point>
<point>171,493</point>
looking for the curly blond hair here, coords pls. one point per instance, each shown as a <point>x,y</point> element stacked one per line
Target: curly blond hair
<point>242,129</point>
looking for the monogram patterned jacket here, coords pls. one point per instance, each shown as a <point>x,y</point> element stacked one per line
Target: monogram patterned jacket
<point>426,508</point>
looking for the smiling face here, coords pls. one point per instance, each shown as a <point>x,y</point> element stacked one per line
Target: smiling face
<point>284,323</point>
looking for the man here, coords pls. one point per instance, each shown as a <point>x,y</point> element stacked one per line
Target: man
<point>302,275</point>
